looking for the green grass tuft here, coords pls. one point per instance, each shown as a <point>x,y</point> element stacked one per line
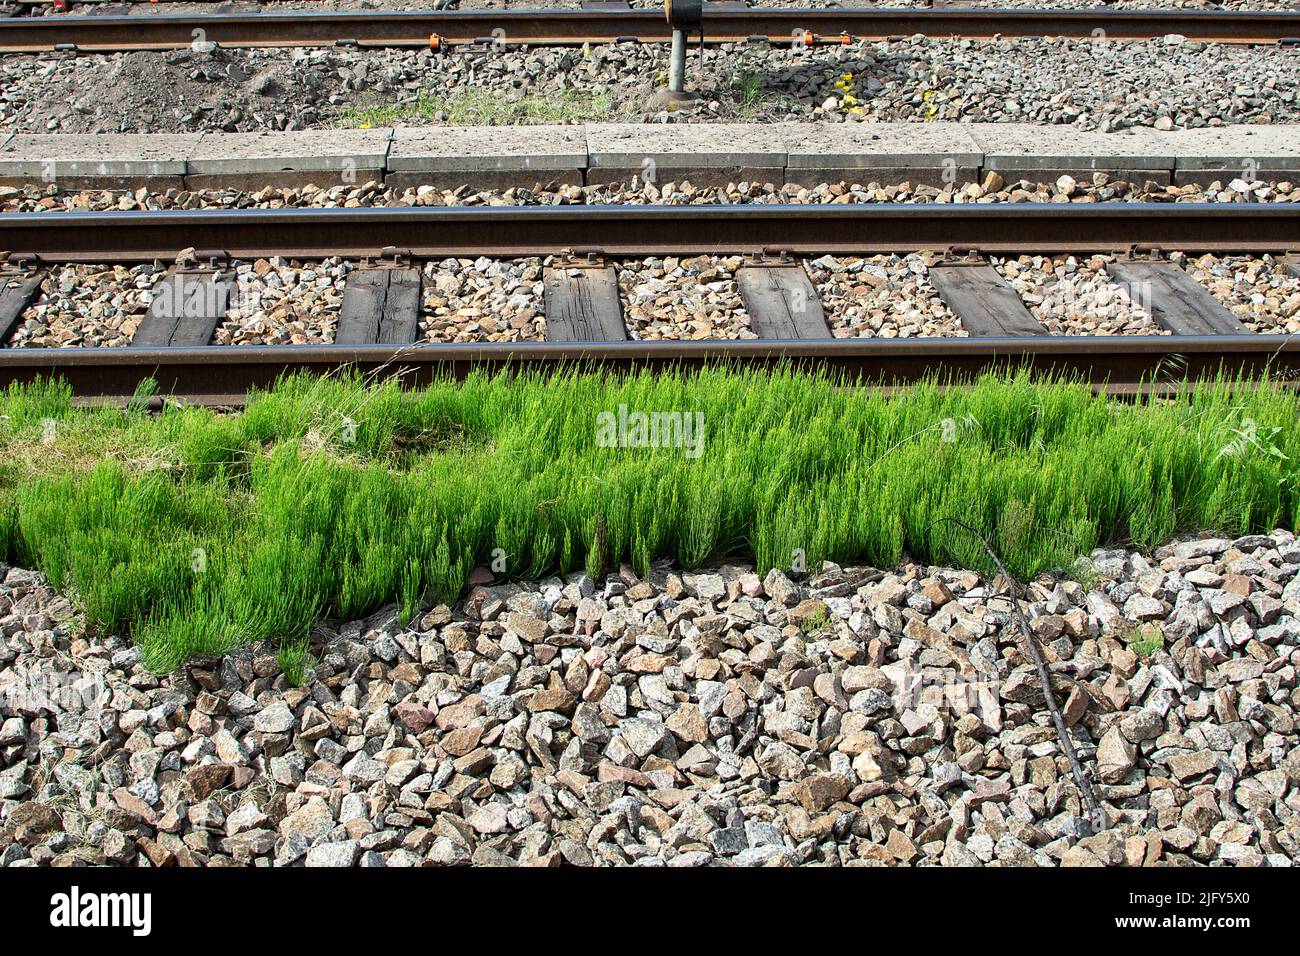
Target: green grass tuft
<point>1146,640</point>
<point>815,621</point>
<point>750,98</point>
<point>196,532</point>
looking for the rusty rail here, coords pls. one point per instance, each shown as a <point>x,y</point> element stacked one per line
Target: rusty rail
<point>437,232</point>
<point>723,23</point>
<point>222,375</point>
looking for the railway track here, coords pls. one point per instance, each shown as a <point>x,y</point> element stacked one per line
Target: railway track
<point>723,23</point>
<point>378,322</point>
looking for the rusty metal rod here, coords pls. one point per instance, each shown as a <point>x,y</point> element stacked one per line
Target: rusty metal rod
<point>421,28</point>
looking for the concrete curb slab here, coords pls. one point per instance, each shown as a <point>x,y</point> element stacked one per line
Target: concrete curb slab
<point>931,154</point>
<point>707,155</point>
<point>1232,152</point>
<point>487,157</point>
<point>934,154</point>
<point>1045,153</point>
<point>97,161</point>
<point>256,160</point>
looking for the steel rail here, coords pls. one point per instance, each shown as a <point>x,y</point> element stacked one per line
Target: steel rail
<point>222,375</point>
<point>421,28</point>
<point>438,232</point>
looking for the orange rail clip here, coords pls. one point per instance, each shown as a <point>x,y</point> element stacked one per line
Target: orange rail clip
<point>435,41</point>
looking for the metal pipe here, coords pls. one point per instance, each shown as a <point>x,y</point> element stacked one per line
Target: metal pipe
<point>677,63</point>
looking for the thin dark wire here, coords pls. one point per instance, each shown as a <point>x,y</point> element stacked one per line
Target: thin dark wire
<point>1081,780</point>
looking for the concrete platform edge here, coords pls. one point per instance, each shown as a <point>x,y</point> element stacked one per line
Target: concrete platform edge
<point>705,154</point>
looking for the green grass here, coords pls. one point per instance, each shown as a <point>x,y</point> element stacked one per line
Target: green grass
<point>197,532</point>
<point>745,90</point>
<point>475,107</point>
<point>815,621</point>
<point>1146,640</point>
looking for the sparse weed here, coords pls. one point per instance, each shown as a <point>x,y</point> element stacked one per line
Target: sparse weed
<point>1084,572</point>
<point>815,621</point>
<point>1146,640</point>
<point>750,97</point>
<point>477,107</point>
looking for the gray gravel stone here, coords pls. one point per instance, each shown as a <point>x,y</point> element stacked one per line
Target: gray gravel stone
<point>332,854</point>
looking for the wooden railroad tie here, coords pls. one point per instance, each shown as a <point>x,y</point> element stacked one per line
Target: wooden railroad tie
<point>982,300</point>
<point>1176,301</point>
<point>19,283</point>
<point>781,300</point>
<point>188,304</point>
<point>582,301</point>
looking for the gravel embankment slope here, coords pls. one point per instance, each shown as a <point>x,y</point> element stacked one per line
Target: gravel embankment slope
<point>690,719</point>
<point>1105,86</point>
